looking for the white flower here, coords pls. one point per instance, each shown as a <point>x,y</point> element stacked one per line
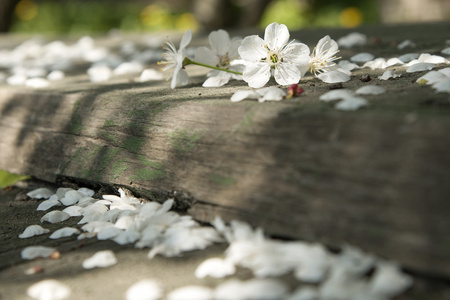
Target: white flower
<point>222,53</point>
<point>323,56</point>
<point>273,56</point>
<point>322,62</point>
<point>174,61</point>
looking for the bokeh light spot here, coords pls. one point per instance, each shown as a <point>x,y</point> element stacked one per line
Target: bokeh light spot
<point>26,10</point>
<point>351,17</point>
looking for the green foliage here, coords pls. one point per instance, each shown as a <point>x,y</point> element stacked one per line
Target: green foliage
<point>7,179</point>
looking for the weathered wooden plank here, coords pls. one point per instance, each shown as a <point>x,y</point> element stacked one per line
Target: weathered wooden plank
<point>376,178</point>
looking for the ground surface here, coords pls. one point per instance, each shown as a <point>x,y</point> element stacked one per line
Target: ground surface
<point>408,110</point>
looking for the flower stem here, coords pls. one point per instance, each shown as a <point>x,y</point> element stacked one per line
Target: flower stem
<point>188,61</point>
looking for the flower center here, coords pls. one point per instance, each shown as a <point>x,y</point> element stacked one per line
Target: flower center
<point>273,57</point>
<point>224,61</point>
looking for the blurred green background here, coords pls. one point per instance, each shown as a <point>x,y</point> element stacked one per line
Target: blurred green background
<point>100,16</point>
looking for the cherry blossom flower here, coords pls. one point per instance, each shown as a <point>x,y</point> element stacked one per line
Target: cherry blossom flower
<point>222,54</point>
<point>273,56</point>
<point>322,62</point>
<point>174,61</point>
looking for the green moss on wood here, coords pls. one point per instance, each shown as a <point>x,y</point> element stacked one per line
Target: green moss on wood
<point>221,179</point>
<point>133,143</point>
<point>184,141</point>
<point>109,123</point>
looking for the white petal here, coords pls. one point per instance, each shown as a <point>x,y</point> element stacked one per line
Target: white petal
<point>327,44</point>
<point>352,39</point>
<point>446,51</point>
<point>37,83</point>
<point>362,57</point>
<point>271,93</point>
<point>96,226</point>
<point>99,73</point>
<point>406,58</point>
<point>371,90</point>
<point>336,95</point>
<point>287,74</point>
<point>127,237</point>
<point>55,75</point>
<point>64,232</point>
<point>72,197</point>
<point>49,289</point>
<point>233,52</point>
<point>244,94</point>
<point>431,77</point>
<point>388,281</point>
<point>333,77</point>
<point>276,36</point>
<point>419,67</point>
<point>350,104</point>
<point>108,233</point>
<point>215,267</point>
<point>33,230</point>
<point>442,86</point>
<point>215,81</point>
<point>394,61</point>
<point>379,63</point>
<point>314,267</point>
<point>206,56</point>
<point>219,41</point>
<point>101,259</point>
<point>60,192</point>
<point>347,65</point>
<point>41,193</point>
<point>33,252</point>
<point>192,292</point>
<point>253,49</point>
<point>55,216</point>
<point>151,75</point>
<point>73,211</point>
<point>445,71</point>
<point>406,43</point>
<point>146,289</point>
<point>180,78</point>
<point>434,59</point>
<point>256,75</point>
<point>86,191</point>
<point>297,53</point>
<point>389,74</point>
<point>230,290</point>
<point>46,204</point>
<point>186,39</point>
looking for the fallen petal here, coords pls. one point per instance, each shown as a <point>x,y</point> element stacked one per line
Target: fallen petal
<point>33,252</point>
<point>64,232</point>
<point>33,230</point>
<point>216,81</point>
<point>215,267</point>
<point>389,281</point>
<point>371,90</point>
<point>193,292</point>
<point>101,259</point>
<point>55,216</point>
<point>333,77</point>
<point>442,86</point>
<point>419,67</point>
<point>362,57</point>
<point>47,204</point>
<point>146,289</point>
<point>336,95</point>
<point>41,193</point>
<point>244,94</point>
<point>389,74</point>
<point>352,103</point>
<point>151,75</point>
<point>49,289</point>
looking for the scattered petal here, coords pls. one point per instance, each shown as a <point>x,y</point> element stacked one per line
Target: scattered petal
<point>55,216</point>
<point>362,57</point>
<point>33,252</point>
<point>41,193</point>
<point>352,103</point>
<point>101,259</point>
<point>49,289</point>
<point>56,75</point>
<point>37,83</point>
<point>244,94</point>
<point>406,43</point>
<point>47,204</point>
<point>434,59</point>
<point>260,289</point>
<point>406,58</point>
<point>151,75</point>
<point>128,67</point>
<point>347,65</point>
<point>64,232</point>
<point>215,267</point>
<point>73,211</point>
<point>352,39</point>
<point>146,289</point>
<point>371,90</point>
<point>446,51</point>
<point>431,77</point>
<point>336,95</point>
<point>419,67</point>
<point>86,191</point>
<point>72,197</point>
<point>127,237</point>
<point>270,94</point>
<point>304,293</point>
<point>192,292</point>
<point>389,74</point>
<point>334,76</point>
<point>108,233</point>
<point>99,73</point>
<point>216,81</point>
<point>388,281</point>
<point>33,230</point>
<point>442,86</point>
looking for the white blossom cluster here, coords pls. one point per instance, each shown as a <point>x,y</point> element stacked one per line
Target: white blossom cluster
<point>126,220</point>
